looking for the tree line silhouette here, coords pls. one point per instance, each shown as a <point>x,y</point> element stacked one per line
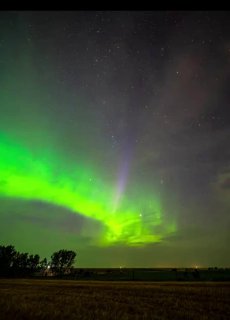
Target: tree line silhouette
<point>14,263</point>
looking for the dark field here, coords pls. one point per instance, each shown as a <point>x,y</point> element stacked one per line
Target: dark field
<point>66,299</point>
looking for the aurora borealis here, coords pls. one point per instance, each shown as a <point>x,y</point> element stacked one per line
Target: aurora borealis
<point>114,136</point>
<point>25,177</point>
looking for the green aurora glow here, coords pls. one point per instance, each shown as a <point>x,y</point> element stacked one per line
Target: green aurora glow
<point>114,136</point>
<point>137,219</point>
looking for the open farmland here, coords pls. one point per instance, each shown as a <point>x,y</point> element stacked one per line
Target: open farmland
<point>65,299</point>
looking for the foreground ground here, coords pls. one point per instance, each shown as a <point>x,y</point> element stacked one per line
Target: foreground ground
<point>60,299</point>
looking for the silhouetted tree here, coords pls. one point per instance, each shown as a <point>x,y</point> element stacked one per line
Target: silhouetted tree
<point>21,264</point>
<point>7,256</point>
<point>196,274</point>
<point>43,264</point>
<point>62,261</point>
<point>33,263</point>
<point>21,260</point>
<point>14,263</point>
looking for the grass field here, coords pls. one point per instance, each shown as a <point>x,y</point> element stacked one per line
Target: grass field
<point>66,299</point>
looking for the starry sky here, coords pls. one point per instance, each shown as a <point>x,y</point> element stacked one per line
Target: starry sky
<point>114,136</point>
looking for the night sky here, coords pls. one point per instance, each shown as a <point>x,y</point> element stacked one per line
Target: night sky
<point>114,136</point>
